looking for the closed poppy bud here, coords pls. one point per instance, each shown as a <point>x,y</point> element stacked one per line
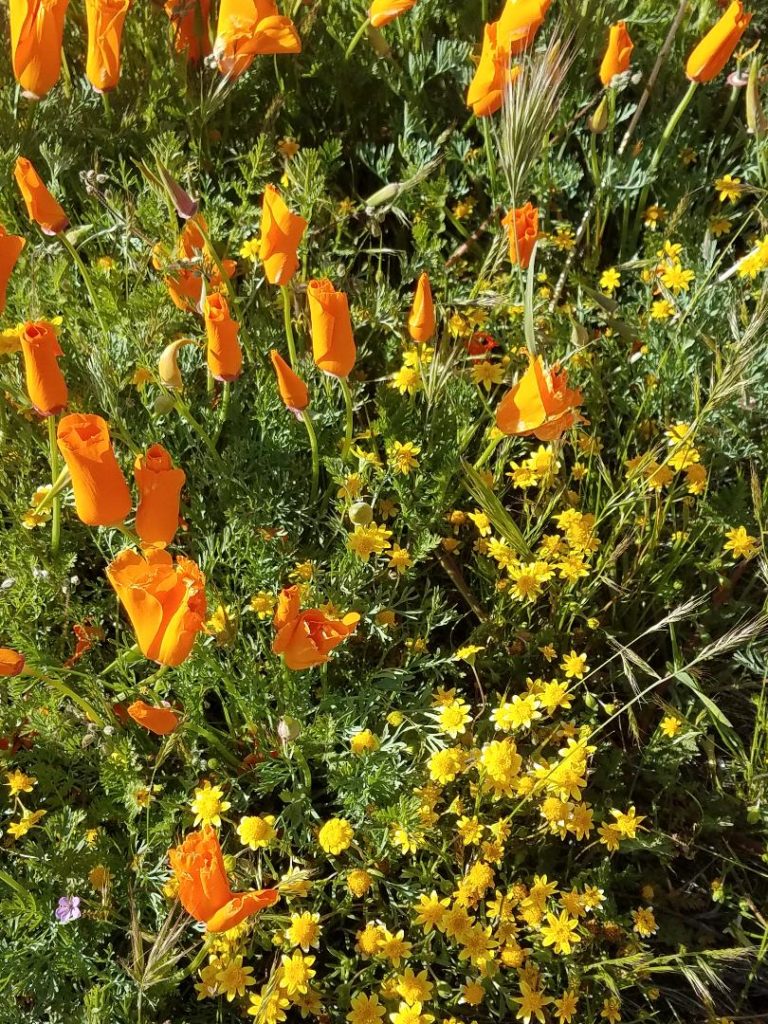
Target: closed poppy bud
<point>381,12</point>
<point>292,388</point>
<point>190,21</point>
<point>305,639</point>
<point>247,28</point>
<point>225,360</point>
<point>421,322</point>
<point>204,889</point>
<point>165,602</point>
<point>519,22</point>
<point>333,345</point>
<point>159,486</point>
<point>281,233</point>
<point>105,33</point>
<point>11,662</point>
<point>10,250</point>
<point>41,206</point>
<point>102,497</point>
<point>37,30</point>
<point>716,48</point>
<point>159,720</point>
<point>46,386</point>
<point>617,55</point>
<point>168,364</point>
<point>541,403</point>
<point>492,75</point>
<point>522,226</point>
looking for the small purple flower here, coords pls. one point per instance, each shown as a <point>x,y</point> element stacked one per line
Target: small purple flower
<point>68,909</point>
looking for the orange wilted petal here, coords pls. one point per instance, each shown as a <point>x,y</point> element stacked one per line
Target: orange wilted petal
<point>159,720</point>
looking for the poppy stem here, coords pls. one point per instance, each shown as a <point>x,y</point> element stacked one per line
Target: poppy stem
<point>663,142</point>
<point>315,454</point>
<point>344,384</point>
<point>184,411</point>
<point>59,484</point>
<point>288,325</point>
<point>105,363</point>
<point>356,38</point>
<point>226,394</point>
<point>53,455</point>
<point>488,452</point>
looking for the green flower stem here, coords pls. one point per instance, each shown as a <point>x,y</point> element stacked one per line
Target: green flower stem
<point>53,455</point>
<point>660,149</point>
<point>344,384</point>
<point>59,484</point>
<point>307,420</point>
<point>356,38</point>
<point>115,385</point>
<point>226,395</point>
<point>489,154</point>
<point>288,325</point>
<point>184,411</point>
<point>124,658</point>
<point>487,452</point>
<point>66,691</point>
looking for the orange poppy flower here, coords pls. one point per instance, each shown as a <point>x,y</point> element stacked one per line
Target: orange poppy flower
<point>292,388</point>
<point>204,889</point>
<point>421,322</point>
<point>191,27</point>
<point>225,360</point>
<point>185,283</point>
<point>159,486</point>
<point>158,720</point>
<point>492,77</point>
<point>11,662</point>
<point>42,208</point>
<point>716,48</point>
<point>46,386</point>
<point>381,12</point>
<point>519,22</point>
<point>164,601</point>
<point>332,342</point>
<point>522,225</point>
<point>618,53</point>
<point>541,403</point>
<point>102,497</point>
<point>37,30</point>
<point>105,32</point>
<point>281,233</point>
<point>247,28</point>
<point>10,250</point>
<point>306,638</point>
